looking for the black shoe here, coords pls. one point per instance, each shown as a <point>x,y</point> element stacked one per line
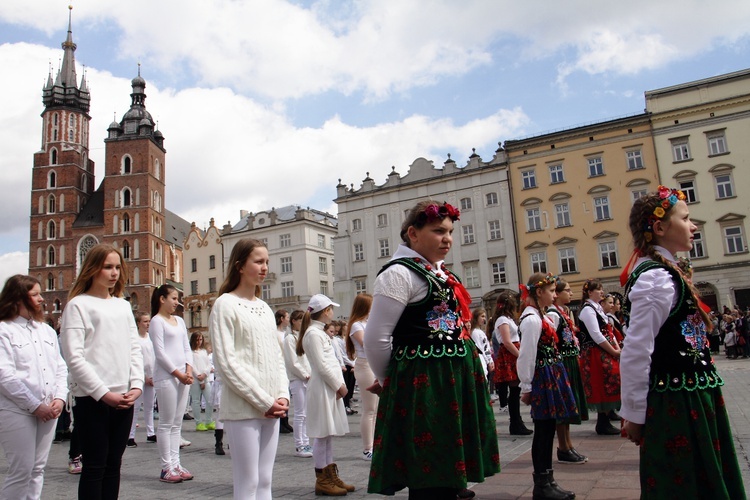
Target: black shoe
<point>465,493</point>
<point>569,494</point>
<point>283,430</point>
<point>58,437</point>
<point>220,449</point>
<point>132,443</point>
<point>584,457</point>
<point>606,429</point>
<point>544,490</point>
<point>519,429</point>
<point>569,457</point>
<point>349,411</point>
<point>187,417</point>
<point>613,417</point>
<point>151,439</point>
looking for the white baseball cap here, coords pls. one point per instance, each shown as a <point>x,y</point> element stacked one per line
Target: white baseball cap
<point>318,302</point>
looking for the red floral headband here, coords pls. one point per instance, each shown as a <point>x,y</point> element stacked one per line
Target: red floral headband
<point>434,212</point>
<point>668,197</point>
<point>550,279</point>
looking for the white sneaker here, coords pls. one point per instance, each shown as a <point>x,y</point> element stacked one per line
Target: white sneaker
<point>303,452</point>
<point>367,455</point>
<point>184,442</point>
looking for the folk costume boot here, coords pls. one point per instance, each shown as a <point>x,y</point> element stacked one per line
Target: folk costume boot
<point>334,471</point>
<point>324,484</point>
<point>554,484</point>
<point>219,436</point>
<point>604,427</point>
<point>543,490</point>
<point>517,427</point>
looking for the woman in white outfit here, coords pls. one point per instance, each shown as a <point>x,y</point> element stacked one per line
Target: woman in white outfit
<point>248,359</point>
<point>172,378</point>
<point>298,372</point>
<point>142,320</point>
<point>32,387</point>
<point>201,386</point>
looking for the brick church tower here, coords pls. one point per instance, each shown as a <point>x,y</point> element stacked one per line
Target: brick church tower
<point>127,210</point>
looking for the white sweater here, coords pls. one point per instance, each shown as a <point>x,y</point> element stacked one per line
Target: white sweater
<point>297,367</point>
<point>171,347</point>
<point>247,356</point>
<point>99,342</point>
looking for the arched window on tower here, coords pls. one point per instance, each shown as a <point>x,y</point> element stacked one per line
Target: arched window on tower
<point>52,179</point>
<point>50,282</point>
<point>51,230</point>
<point>86,244</point>
<point>51,256</point>
<point>157,168</point>
<point>53,157</point>
<point>125,223</point>
<point>126,250</point>
<point>126,197</point>
<point>127,165</point>
<point>56,306</point>
<point>51,204</point>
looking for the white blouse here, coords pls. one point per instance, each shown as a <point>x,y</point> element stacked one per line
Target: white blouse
<point>588,318</point>
<point>504,320</point>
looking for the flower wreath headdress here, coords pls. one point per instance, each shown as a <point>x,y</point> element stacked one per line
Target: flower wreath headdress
<point>549,279</point>
<point>434,212</point>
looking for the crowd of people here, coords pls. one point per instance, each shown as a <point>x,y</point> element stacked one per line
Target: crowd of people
<point>428,368</point>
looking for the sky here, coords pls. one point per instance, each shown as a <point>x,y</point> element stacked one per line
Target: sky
<point>268,103</point>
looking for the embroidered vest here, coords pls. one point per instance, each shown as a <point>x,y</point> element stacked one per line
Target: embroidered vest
<point>586,340</point>
<point>682,358</point>
<point>431,326</point>
<point>547,353</point>
<point>566,337</point>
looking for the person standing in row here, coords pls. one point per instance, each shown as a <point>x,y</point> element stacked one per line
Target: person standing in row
<point>505,333</point>
<point>544,382</point>
<point>433,393</point>
<point>33,387</point>
<point>671,392</point>
<point>298,372</point>
<point>282,328</point>
<point>326,415</point>
<point>567,337</point>
<point>479,337</point>
<point>99,342</point>
<point>339,341</point>
<point>172,378</point>
<point>204,421</point>
<point>248,359</point>
<point>600,358</point>
<point>147,398</point>
<point>355,349</point>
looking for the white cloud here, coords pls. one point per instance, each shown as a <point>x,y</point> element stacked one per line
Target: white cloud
<point>13,263</point>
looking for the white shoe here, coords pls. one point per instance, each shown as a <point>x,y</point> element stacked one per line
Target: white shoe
<point>303,452</point>
<point>367,455</point>
<point>184,442</point>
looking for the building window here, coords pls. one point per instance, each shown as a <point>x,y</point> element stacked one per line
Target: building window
<point>212,262</point>
<point>385,249</point>
<point>533,220</point>
<point>688,187</point>
<point>53,157</point>
<point>562,215</point>
<point>357,225</point>
<point>491,199</point>
<point>126,197</point>
<point>635,159</point>
<point>680,149</point>
<point>51,230</point>
<point>539,262</point>
<point>596,167</point>
<point>465,203</point>
<point>360,285</point>
<point>56,307</point>
<point>324,287</point>
<point>195,317</point>
<point>322,265</point>
<point>568,260</point>
<point>359,252</point>
<point>471,276</point>
<point>382,220</point>
<point>51,204</point>
<point>556,174</point>
<point>52,180</point>
<point>608,254</point>
<point>468,233</point>
<point>126,250</point>
<point>498,273</point>
<point>265,291</point>
<point>287,289</point>
<point>529,179</point>
<point>194,265</point>
<point>724,187</point>
<point>50,282</point>
<point>601,207</point>
<point>717,144</point>
<point>286,265</point>
<point>321,241</point>
<point>638,193</point>
<point>285,240</point>
<point>211,285</point>
<point>495,232</point>
<point>735,242</point>
<point>194,287</point>
<point>126,165</point>
<point>699,250</point>
<point>125,223</point>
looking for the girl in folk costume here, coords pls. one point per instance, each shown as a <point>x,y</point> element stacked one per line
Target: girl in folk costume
<point>608,306</point>
<point>544,382</point>
<point>505,333</point>
<point>671,393</point>
<point>435,429</point>
<point>326,415</point>
<point>478,335</point>
<point>567,336</point>
<point>600,358</point>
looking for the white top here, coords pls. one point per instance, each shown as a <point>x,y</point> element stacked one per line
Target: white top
<point>171,347</point>
<point>99,342</point>
<point>531,330</point>
<point>588,317</point>
<point>394,288</point>
<point>247,357</point>
<point>149,360</point>
<point>359,349</point>
<point>483,346</point>
<point>505,320</point>
<point>647,315</point>
<point>297,367</point>
<point>201,363</point>
<point>340,345</point>
<point>32,371</point>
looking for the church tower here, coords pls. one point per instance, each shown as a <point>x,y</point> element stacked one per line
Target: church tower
<point>134,213</point>
<point>62,179</point>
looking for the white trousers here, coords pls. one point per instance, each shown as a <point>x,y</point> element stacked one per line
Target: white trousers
<point>195,393</point>
<point>172,396</point>
<point>322,452</point>
<point>365,378</point>
<point>147,399</point>
<point>26,441</point>
<point>253,444</point>
<point>299,397</point>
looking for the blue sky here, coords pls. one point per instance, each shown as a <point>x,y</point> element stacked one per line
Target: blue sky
<point>268,103</point>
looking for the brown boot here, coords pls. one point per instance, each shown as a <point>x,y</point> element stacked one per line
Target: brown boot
<point>324,485</point>
<point>334,471</point>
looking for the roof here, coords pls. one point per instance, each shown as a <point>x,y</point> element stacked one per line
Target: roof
<point>177,229</point>
<point>92,214</point>
<point>287,214</point>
